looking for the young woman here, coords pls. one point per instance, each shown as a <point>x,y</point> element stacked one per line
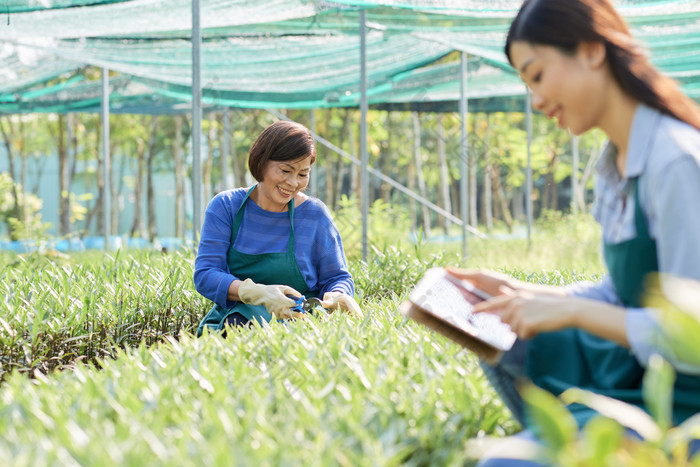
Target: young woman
<point>584,69</point>
<point>261,243</point>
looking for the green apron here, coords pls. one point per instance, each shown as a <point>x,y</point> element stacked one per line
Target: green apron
<point>266,268</point>
<point>559,360</point>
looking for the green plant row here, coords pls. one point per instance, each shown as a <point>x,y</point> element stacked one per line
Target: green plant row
<point>55,311</point>
<point>331,391</point>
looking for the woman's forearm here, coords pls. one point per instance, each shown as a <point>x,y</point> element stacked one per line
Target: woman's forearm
<point>599,318</point>
<point>233,291</point>
<point>542,288</point>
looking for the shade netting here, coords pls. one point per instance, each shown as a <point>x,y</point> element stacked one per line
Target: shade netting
<point>292,53</point>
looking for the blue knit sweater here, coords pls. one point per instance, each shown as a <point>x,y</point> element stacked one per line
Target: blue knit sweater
<point>318,247</point>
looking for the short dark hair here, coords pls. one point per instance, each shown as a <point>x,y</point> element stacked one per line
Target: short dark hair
<point>281,141</point>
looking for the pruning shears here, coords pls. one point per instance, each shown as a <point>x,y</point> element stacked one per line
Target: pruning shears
<point>303,304</point>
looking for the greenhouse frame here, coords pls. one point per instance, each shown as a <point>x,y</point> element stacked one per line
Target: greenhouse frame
<point>176,56</point>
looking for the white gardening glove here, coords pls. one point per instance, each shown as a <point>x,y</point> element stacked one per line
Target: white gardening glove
<point>272,297</point>
<point>341,301</point>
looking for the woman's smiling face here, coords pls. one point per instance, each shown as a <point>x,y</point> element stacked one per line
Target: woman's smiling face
<point>282,181</point>
<point>565,87</point>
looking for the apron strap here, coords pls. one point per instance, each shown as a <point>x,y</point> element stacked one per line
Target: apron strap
<point>239,218</point>
<point>640,223</point>
<point>239,215</point>
<point>290,241</point>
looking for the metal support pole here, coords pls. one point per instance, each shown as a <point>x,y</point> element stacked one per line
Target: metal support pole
<point>66,175</point>
<point>196,123</point>
<point>364,174</point>
<point>225,150</point>
<point>528,178</point>
<point>464,154</point>
<point>107,186</point>
<point>314,172</point>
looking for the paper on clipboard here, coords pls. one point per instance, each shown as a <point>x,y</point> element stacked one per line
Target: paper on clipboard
<point>438,302</point>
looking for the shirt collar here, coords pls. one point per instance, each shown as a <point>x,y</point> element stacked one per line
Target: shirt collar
<point>638,148</point>
<point>606,164</point>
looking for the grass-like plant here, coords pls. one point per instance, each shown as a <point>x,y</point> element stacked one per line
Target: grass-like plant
<point>55,311</point>
<point>330,391</point>
<point>138,389</point>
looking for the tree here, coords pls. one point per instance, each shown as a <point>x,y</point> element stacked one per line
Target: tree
<point>444,172</point>
<point>16,208</point>
<point>150,156</point>
<point>30,225</point>
<point>180,176</point>
<point>419,171</point>
<point>138,228</point>
<point>210,126</point>
<point>63,177</point>
<point>488,191</point>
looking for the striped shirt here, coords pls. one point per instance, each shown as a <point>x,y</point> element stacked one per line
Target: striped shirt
<point>318,247</point>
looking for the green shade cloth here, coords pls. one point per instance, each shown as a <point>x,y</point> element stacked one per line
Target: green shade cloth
<point>295,53</point>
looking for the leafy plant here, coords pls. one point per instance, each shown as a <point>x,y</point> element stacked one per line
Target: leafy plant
<point>389,273</point>
<point>56,311</point>
<point>136,388</point>
<point>388,224</point>
<point>328,391</point>
<point>20,211</point>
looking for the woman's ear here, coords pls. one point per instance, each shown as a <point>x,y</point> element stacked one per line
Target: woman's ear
<point>594,53</point>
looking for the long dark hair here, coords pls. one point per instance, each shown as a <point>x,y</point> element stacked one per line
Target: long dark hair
<point>567,23</point>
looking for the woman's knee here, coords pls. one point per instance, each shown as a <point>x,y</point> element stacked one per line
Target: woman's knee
<point>518,450</point>
<point>236,320</point>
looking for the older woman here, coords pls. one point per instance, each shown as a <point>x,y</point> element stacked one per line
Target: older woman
<point>262,243</point>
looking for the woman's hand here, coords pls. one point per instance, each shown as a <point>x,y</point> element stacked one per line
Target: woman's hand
<point>488,281</point>
<point>272,297</point>
<point>492,282</point>
<point>342,301</point>
<point>530,313</point>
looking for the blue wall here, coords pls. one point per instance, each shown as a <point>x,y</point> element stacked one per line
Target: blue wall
<point>85,182</point>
